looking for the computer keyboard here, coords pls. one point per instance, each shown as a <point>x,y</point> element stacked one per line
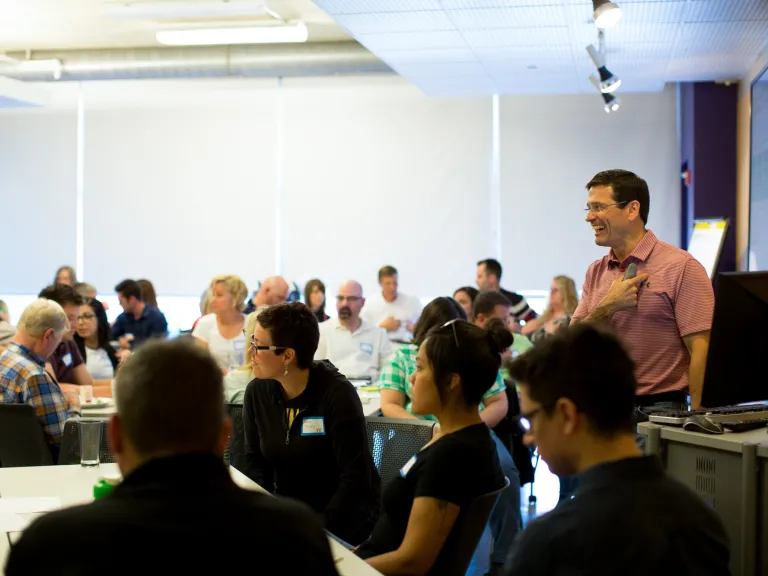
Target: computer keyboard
<point>723,414</point>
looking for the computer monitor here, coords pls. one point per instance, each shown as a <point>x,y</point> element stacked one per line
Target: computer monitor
<point>706,243</point>
<point>739,342</point>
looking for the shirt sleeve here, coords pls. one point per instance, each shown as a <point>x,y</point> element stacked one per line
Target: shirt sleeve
<point>257,467</point>
<point>322,349</point>
<point>49,404</point>
<point>159,326</point>
<point>202,330</point>
<point>385,352</point>
<point>497,387</point>
<point>694,300</point>
<point>394,374</point>
<point>77,358</point>
<point>118,330</point>
<point>582,310</point>
<point>441,464</point>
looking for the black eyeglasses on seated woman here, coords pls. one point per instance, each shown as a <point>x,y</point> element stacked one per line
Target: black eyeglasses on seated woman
<point>305,432</point>
<point>456,364</point>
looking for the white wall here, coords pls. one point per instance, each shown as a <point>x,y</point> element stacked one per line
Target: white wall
<point>332,177</point>
<point>551,146</point>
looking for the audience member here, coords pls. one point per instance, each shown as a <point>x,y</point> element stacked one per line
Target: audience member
<point>272,292</point>
<point>7,331</point>
<point>205,305</point>
<point>92,339</point>
<point>222,331</point>
<point>664,314</point>
<point>488,278</point>
<point>148,292</point>
<point>177,509</point>
<point>65,275</point>
<point>466,297</point>
<point>457,364</point>
<point>358,349</point>
<point>392,310</point>
<point>396,387</point>
<point>305,432</point>
<point>489,305</point>
<point>236,381</point>
<point>314,296</point>
<point>138,322</point>
<point>628,516</point>
<point>86,291</point>
<point>563,300</point>
<point>66,362</point>
<point>23,378</point>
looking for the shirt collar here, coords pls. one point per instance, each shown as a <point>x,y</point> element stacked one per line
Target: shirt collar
<point>640,253</point>
<point>24,351</point>
<point>621,472</point>
<point>364,326</point>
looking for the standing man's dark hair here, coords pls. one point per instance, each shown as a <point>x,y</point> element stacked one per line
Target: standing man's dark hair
<point>492,266</point>
<point>130,288</point>
<point>386,272</point>
<point>627,187</point>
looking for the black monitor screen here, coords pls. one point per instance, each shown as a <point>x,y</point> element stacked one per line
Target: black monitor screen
<point>739,342</point>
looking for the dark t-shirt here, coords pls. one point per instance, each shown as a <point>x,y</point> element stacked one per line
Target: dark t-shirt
<point>64,360</point>
<point>457,468</point>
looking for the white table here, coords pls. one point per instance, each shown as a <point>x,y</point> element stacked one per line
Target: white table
<point>74,485</point>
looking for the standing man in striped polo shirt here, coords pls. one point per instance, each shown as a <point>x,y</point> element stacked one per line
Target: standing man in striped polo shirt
<point>664,314</point>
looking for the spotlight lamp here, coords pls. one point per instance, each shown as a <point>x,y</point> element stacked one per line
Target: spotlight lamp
<point>612,102</point>
<point>609,82</point>
<point>606,13</point>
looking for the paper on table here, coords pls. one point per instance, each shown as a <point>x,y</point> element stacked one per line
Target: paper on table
<point>12,522</point>
<point>28,505</point>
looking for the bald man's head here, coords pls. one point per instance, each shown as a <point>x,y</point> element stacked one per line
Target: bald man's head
<point>274,291</point>
<point>349,300</point>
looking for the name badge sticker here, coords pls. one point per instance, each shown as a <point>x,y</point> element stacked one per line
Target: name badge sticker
<point>239,345</point>
<point>366,347</point>
<point>314,426</point>
<point>408,465</point>
<point>67,359</point>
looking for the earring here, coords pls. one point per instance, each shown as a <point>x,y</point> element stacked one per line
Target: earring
<point>286,371</point>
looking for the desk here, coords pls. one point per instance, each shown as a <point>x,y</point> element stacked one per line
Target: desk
<point>74,485</point>
<point>725,470</point>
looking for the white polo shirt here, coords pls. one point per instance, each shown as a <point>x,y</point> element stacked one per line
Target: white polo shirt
<point>363,352</point>
<point>404,308</point>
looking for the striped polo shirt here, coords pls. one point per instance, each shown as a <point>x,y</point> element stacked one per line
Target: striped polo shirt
<point>676,301</point>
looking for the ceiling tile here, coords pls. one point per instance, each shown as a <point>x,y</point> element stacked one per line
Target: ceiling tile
<point>412,41</point>
<point>427,56</point>
<point>516,37</point>
<point>625,32</point>
<point>544,84</point>
<point>443,69</point>
<point>519,17</point>
<point>336,7</point>
<point>726,10</point>
<point>395,22</point>
<point>473,4</point>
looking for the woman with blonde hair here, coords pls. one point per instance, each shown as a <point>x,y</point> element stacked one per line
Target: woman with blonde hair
<point>222,330</point>
<point>236,381</point>
<point>563,300</point>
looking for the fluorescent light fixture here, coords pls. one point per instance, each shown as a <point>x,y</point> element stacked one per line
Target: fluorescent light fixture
<point>607,14</point>
<point>608,81</point>
<point>289,33</point>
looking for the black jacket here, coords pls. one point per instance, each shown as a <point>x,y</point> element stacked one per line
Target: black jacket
<point>323,459</point>
<point>176,515</point>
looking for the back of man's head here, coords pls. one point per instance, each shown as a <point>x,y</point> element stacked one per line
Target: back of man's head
<point>170,400</point>
<point>43,315</point>
<point>62,294</point>
<point>486,301</point>
<point>588,366</point>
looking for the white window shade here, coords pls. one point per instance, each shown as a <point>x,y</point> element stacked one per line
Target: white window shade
<point>551,146</point>
<point>376,173</point>
<point>183,189</point>
<point>38,184</point>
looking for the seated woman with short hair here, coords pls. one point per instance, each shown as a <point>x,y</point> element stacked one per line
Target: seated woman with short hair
<point>305,435</point>
<point>456,365</point>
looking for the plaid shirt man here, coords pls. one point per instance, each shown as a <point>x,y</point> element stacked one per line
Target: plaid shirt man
<point>396,375</point>
<point>23,380</point>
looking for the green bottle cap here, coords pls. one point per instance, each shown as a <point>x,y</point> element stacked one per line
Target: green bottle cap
<point>104,487</point>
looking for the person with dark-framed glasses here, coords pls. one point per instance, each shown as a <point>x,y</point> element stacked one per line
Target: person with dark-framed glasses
<point>304,427</point>
<point>577,392</point>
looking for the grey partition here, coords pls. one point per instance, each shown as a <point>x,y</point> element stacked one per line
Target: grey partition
<point>723,470</point>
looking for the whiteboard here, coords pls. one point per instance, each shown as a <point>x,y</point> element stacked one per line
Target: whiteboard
<point>706,242</point>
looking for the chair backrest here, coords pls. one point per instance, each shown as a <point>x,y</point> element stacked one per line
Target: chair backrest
<point>394,441</point>
<point>22,442</point>
<point>70,443</point>
<point>235,454</point>
<point>457,552</point>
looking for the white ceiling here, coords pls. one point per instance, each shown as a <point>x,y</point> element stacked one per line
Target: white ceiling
<point>474,47</point>
<point>72,24</point>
